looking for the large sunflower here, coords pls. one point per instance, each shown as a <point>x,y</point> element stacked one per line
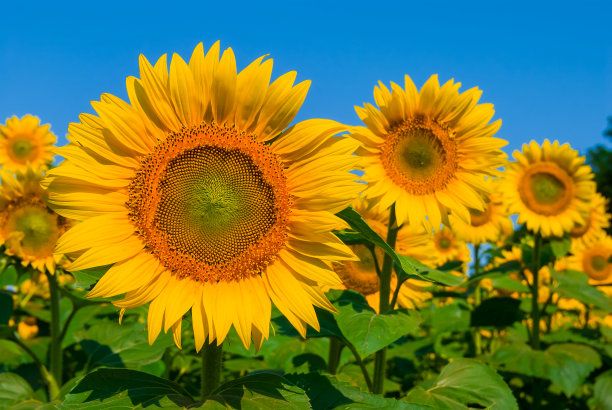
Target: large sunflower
<point>24,142</point>
<point>594,261</point>
<point>595,223</point>
<point>429,151</point>
<point>200,199</point>
<point>28,228</point>
<point>549,187</point>
<point>484,226</point>
<point>362,275</point>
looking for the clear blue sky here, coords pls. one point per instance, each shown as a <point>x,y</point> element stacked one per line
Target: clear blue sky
<point>546,67</point>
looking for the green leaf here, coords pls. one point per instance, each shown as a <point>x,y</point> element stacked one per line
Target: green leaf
<point>602,399</point>
<point>327,392</point>
<point>498,312</point>
<point>505,282</point>
<point>462,384</point>
<point>408,265</point>
<point>560,246</point>
<point>8,276</point>
<point>369,332</point>
<point>13,390</point>
<point>6,307</point>
<point>122,388</point>
<point>110,344</point>
<point>450,318</point>
<point>327,323</point>
<point>575,285</point>
<point>567,365</point>
<point>88,277</point>
<point>258,391</point>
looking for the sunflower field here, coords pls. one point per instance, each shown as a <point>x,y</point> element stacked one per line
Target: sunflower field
<point>195,247</point>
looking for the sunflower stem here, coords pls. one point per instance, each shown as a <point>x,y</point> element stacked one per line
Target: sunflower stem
<point>56,332</point>
<point>384,306</point>
<point>212,358</point>
<point>477,299</point>
<point>535,316</point>
<point>335,349</point>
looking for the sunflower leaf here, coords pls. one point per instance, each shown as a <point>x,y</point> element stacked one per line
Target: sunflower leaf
<point>575,285</point>
<point>13,390</point>
<point>407,266</point>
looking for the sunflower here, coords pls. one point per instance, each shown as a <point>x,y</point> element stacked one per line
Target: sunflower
<point>28,228</point>
<point>594,261</point>
<point>448,248</point>
<point>549,187</point>
<point>25,142</point>
<point>596,222</point>
<point>485,226</point>
<point>362,275</point>
<point>428,152</point>
<point>201,199</point>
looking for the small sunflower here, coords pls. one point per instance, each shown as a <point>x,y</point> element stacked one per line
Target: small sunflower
<point>428,152</point>
<point>28,228</point>
<point>24,142</point>
<point>448,248</point>
<point>484,226</point>
<point>549,187</point>
<point>594,261</point>
<point>362,276</point>
<point>201,199</point>
<point>595,223</point>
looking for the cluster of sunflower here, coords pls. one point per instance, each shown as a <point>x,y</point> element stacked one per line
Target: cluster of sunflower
<point>198,195</point>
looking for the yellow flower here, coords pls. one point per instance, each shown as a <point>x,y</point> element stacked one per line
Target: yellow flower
<point>28,228</point>
<point>486,226</point>
<point>362,276</point>
<point>549,187</point>
<point>25,142</point>
<point>448,248</point>
<point>28,328</point>
<point>596,222</point>
<point>202,200</point>
<point>594,261</point>
<point>429,151</point>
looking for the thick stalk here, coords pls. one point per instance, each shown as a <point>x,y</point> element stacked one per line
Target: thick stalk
<point>335,349</point>
<point>56,333</point>
<point>212,358</point>
<point>380,361</point>
<point>535,316</point>
<point>477,299</point>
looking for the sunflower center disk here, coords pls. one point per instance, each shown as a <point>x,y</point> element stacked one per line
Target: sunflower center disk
<point>597,266</point>
<point>360,276</point>
<point>546,189</point>
<point>420,156</point>
<point>38,226</point>
<point>444,243</point>
<point>479,218</point>
<point>218,205</point>
<point>22,148</point>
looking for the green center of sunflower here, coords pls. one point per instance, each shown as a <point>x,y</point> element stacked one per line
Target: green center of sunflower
<point>444,243</point>
<point>22,148</point>
<point>420,153</point>
<point>546,188</point>
<point>598,262</point>
<point>211,203</point>
<point>214,203</point>
<point>39,227</point>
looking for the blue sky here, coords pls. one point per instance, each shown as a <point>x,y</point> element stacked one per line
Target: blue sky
<point>546,67</point>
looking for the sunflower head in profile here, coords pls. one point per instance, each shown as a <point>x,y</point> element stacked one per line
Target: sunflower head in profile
<point>201,199</point>
<point>428,152</point>
<point>594,261</point>
<point>28,228</point>
<point>24,142</point>
<point>362,275</point>
<point>485,226</point>
<point>596,220</point>
<point>549,187</point>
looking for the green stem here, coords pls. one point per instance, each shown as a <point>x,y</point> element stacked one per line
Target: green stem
<point>335,348</point>
<point>56,333</point>
<point>535,316</point>
<point>212,358</point>
<point>47,377</point>
<point>364,371</point>
<point>384,306</point>
<point>478,299</point>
